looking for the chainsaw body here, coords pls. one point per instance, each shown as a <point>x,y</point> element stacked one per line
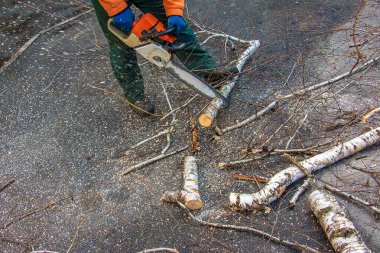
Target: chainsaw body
<point>150,38</point>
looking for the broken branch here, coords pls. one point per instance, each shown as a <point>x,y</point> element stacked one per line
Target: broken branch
<point>189,195</point>
<point>268,236</point>
<point>47,206</point>
<point>278,183</point>
<point>152,138</point>
<point>256,179</point>
<point>340,231</point>
<point>300,93</point>
<point>152,160</point>
<point>36,36</point>
<point>300,191</point>
<point>353,198</point>
<point>209,114</point>
<point>370,114</point>
<point>8,183</point>
<point>159,250</point>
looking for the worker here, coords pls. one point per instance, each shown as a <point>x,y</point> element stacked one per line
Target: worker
<point>123,58</point>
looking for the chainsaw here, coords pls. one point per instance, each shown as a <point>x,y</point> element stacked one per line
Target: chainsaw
<point>150,38</point>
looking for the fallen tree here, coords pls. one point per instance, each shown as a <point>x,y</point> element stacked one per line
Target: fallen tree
<point>278,183</point>
<point>340,231</point>
<point>189,195</point>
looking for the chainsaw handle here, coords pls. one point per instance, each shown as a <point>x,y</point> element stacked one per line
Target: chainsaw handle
<point>148,36</point>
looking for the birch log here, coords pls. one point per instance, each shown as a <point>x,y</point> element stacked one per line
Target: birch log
<point>209,114</point>
<point>278,183</point>
<point>189,195</point>
<point>340,231</point>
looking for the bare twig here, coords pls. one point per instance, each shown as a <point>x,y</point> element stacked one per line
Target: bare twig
<point>257,179</point>
<point>151,138</point>
<point>152,160</point>
<point>300,93</point>
<point>294,161</point>
<point>268,236</point>
<point>159,250</point>
<point>331,81</point>
<point>271,152</point>
<point>168,135</point>
<point>8,183</point>
<point>358,53</point>
<point>35,37</point>
<point>300,125</point>
<point>250,119</point>
<point>194,135</point>
<point>76,235</point>
<point>370,172</point>
<point>231,164</point>
<point>47,206</point>
<point>179,108</point>
<point>300,191</point>
<point>369,114</point>
<point>353,198</point>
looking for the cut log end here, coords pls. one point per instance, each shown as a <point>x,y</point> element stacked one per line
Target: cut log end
<point>222,165</point>
<point>194,204</point>
<point>205,120</point>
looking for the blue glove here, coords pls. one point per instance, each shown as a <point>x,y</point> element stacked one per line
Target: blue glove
<point>124,20</point>
<point>176,22</point>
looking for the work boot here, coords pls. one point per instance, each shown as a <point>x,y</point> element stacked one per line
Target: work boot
<point>143,106</point>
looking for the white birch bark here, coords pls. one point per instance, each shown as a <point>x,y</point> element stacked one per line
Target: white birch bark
<point>340,231</point>
<point>278,183</point>
<point>189,195</point>
<point>210,113</point>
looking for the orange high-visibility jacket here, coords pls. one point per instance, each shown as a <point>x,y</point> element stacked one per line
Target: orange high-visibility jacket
<point>113,7</point>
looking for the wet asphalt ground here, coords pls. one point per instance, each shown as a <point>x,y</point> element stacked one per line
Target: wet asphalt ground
<point>60,137</point>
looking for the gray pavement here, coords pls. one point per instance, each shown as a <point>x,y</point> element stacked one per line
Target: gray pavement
<point>61,137</point>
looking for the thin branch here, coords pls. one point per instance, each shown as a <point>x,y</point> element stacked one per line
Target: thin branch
<point>168,135</point>
<point>179,108</point>
<point>294,245</point>
<point>300,125</point>
<point>47,206</point>
<point>76,235</point>
<point>159,250</point>
<point>300,191</point>
<point>36,36</point>
<point>151,138</point>
<point>230,164</point>
<point>250,119</point>
<point>369,114</point>
<point>152,160</point>
<point>353,198</point>
<point>7,184</point>
<point>359,54</point>
<point>331,81</point>
<point>296,163</point>
<point>300,93</point>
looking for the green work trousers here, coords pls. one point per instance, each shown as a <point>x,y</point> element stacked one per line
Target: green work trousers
<point>123,58</point>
